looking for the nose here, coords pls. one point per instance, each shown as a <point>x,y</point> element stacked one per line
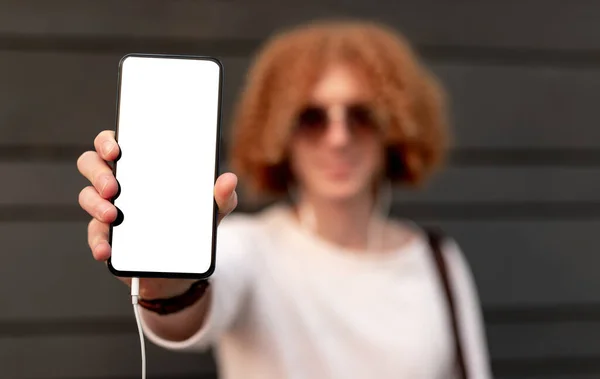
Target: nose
<point>338,134</point>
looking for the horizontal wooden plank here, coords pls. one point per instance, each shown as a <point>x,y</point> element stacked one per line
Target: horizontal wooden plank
<point>545,340</point>
<point>96,357</point>
<point>57,256</point>
<point>558,25</point>
<point>60,183</point>
<point>550,368</point>
<point>39,183</point>
<point>117,357</point>
<point>496,106</point>
<point>491,184</point>
<point>537,264</point>
<point>529,351</point>
<point>545,350</point>
<point>66,99</point>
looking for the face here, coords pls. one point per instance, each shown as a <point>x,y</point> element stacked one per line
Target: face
<point>336,149</point>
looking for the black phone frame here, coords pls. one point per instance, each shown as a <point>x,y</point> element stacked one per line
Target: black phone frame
<point>171,275</point>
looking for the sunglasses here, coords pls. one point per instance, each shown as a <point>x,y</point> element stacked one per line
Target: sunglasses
<point>359,119</point>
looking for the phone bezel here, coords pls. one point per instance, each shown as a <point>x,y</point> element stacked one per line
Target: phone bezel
<point>171,275</point>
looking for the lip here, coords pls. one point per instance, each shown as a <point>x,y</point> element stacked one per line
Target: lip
<point>338,170</point>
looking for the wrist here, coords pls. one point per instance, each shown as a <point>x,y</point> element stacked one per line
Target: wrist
<point>186,297</point>
<point>157,289</point>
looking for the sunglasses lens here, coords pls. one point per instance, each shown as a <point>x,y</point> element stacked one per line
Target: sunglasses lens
<point>360,118</point>
<point>313,119</point>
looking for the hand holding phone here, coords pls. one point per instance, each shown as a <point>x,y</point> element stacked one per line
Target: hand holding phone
<point>167,143</point>
<point>95,200</point>
<point>169,104</point>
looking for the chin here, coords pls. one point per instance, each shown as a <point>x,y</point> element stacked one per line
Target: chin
<point>341,190</point>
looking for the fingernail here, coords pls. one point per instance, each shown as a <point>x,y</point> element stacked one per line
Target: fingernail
<point>108,147</point>
<point>96,248</point>
<point>104,212</point>
<point>104,184</point>
<point>95,245</point>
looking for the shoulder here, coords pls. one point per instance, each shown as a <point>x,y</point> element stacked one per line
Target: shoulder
<point>456,262</point>
<point>459,269</point>
<point>244,227</point>
<point>242,237</point>
<point>468,307</point>
<point>449,247</point>
<point>455,257</point>
<point>238,222</point>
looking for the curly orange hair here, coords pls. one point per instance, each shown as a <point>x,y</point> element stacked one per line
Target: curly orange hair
<point>283,75</point>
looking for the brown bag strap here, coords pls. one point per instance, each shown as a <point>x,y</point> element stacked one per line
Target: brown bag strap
<point>436,238</point>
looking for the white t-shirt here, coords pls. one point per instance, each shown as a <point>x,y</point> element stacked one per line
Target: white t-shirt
<point>289,305</point>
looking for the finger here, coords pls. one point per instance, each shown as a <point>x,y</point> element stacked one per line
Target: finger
<point>225,194</point>
<point>99,173</point>
<point>98,240</point>
<point>97,207</point>
<point>106,146</point>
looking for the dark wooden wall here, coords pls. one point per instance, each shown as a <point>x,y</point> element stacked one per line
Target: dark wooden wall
<point>521,194</point>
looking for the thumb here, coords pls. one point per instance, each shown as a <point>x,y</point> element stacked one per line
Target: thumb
<point>225,194</point>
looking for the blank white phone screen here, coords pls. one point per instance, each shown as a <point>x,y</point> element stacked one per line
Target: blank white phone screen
<point>167,129</point>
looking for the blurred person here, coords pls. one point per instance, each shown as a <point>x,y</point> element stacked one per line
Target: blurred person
<point>323,283</point>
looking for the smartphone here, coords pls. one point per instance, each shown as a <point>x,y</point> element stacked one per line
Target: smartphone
<point>168,128</point>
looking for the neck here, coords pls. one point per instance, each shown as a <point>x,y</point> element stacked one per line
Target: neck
<point>346,223</point>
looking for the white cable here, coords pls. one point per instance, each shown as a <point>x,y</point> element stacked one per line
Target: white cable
<point>135,293</point>
<point>383,204</point>
<point>382,208</point>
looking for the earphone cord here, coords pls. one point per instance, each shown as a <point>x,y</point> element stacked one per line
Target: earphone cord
<point>135,293</point>
<point>382,208</point>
